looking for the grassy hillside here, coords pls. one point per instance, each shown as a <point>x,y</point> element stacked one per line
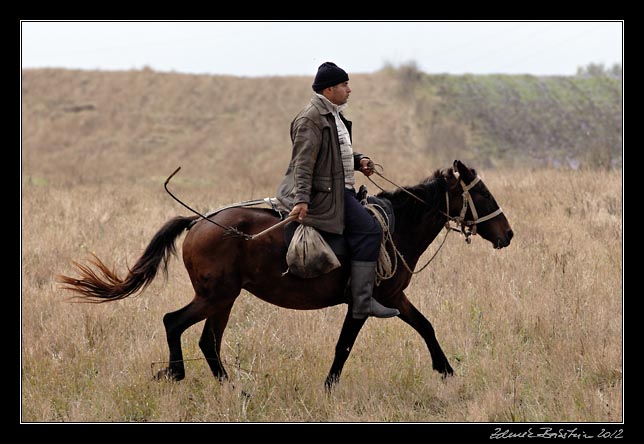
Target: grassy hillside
<point>519,120</point>
<point>559,120</point>
<point>98,126</point>
<point>134,125</point>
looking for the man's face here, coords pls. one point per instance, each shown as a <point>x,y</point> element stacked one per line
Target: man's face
<point>338,94</point>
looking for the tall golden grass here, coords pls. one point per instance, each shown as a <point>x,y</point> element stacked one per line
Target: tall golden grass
<point>534,331</point>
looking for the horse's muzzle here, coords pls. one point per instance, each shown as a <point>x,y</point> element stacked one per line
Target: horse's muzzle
<point>504,241</point>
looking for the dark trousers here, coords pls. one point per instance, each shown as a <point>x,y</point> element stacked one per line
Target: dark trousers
<point>361,231</point>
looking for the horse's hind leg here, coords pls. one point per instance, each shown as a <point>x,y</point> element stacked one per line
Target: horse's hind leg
<point>415,318</point>
<point>175,324</point>
<point>211,339</point>
<point>350,329</point>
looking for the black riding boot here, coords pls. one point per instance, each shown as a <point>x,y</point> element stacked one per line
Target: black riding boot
<point>363,277</point>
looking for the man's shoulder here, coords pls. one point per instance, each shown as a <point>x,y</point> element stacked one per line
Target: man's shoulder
<point>311,112</point>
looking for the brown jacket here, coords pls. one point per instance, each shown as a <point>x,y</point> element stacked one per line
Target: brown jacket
<point>315,174</point>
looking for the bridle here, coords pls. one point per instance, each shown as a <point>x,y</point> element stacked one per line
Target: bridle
<point>467,227</point>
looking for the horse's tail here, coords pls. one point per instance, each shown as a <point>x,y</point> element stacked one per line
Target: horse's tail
<point>104,285</point>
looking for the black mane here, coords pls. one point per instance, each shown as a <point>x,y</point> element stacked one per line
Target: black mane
<point>430,190</point>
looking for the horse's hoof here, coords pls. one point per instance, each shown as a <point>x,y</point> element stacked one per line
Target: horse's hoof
<point>223,378</point>
<point>330,383</point>
<point>445,370</point>
<point>167,374</point>
<point>447,374</point>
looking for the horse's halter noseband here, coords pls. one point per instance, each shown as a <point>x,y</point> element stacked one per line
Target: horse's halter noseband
<point>468,227</point>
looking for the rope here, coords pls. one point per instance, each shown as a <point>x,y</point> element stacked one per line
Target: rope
<point>386,266</point>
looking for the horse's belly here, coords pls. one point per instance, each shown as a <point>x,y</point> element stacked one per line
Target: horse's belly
<point>289,291</point>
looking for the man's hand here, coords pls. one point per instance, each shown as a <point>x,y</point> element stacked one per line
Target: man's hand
<point>300,210</point>
<point>366,166</point>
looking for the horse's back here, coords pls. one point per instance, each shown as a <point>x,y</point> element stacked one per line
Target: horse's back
<point>223,233</point>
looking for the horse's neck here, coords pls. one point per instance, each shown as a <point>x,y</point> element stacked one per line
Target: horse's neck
<point>412,238</point>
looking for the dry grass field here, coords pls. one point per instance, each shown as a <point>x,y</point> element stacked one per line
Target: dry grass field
<point>534,331</point>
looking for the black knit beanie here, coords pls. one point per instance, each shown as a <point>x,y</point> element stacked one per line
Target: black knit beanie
<point>329,74</point>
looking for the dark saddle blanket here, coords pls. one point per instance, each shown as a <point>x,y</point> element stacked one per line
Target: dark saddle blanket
<point>336,241</point>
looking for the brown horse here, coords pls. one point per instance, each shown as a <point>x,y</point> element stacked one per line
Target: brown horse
<point>221,266</point>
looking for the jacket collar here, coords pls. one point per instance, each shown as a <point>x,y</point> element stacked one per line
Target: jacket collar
<point>324,105</point>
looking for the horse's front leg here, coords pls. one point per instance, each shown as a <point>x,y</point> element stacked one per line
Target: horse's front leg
<point>350,329</point>
<point>415,318</point>
<point>211,340</point>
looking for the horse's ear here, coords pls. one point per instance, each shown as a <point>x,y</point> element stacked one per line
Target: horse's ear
<point>458,166</point>
<point>464,172</point>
